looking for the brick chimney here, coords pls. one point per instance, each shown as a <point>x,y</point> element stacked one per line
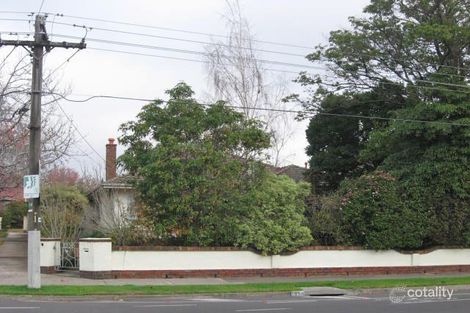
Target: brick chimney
<point>110,159</point>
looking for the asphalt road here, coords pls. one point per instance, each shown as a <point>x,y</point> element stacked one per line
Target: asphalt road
<point>262,303</point>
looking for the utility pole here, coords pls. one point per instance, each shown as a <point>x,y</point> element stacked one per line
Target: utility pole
<point>38,45</point>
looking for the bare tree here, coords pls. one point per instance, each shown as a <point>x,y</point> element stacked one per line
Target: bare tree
<point>238,77</point>
<point>57,134</point>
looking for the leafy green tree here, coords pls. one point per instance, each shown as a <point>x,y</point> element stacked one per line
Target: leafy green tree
<point>194,164</point>
<point>335,140</point>
<point>422,48</point>
<point>375,216</point>
<point>325,218</point>
<point>275,221</point>
<point>200,181</point>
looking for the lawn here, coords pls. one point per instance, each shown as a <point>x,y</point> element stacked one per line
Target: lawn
<point>231,288</point>
<point>3,234</point>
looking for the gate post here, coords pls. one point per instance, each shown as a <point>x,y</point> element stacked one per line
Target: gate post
<point>95,258</point>
<point>49,255</point>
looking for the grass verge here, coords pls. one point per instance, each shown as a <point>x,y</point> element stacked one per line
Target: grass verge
<point>3,234</point>
<point>231,288</point>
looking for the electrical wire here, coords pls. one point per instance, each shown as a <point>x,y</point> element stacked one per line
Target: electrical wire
<point>176,30</point>
<point>178,39</point>
<point>8,55</point>
<point>74,125</point>
<point>275,110</point>
<point>40,7</point>
<point>180,59</point>
<point>62,64</point>
<point>186,51</point>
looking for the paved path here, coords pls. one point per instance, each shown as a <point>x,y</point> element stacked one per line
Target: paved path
<point>13,262</point>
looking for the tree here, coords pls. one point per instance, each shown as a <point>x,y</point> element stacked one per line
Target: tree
<point>335,141</point>
<point>62,175</point>
<point>238,77</point>
<point>421,47</point>
<point>63,211</point>
<point>200,180</point>
<point>57,135</point>
<point>375,216</point>
<point>275,223</point>
<point>194,162</point>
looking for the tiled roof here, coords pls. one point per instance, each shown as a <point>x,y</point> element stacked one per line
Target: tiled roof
<point>295,172</point>
<point>119,182</point>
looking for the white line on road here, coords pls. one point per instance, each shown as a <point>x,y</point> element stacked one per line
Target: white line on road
<point>163,305</point>
<point>289,301</point>
<point>264,310</point>
<point>19,307</point>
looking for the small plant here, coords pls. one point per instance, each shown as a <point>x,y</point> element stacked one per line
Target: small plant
<point>13,216</point>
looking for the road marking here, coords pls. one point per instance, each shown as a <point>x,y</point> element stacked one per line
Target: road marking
<point>217,300</point>
<point>264,310</point>
<point>163,305</point>
<point>19,308</point>
<point>289,301</point>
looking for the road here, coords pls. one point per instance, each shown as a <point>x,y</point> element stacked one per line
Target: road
<point>252,303</point>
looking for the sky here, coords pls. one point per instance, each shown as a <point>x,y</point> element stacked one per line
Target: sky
<point>305,23</point>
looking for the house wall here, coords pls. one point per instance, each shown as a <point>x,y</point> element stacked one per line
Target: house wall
<point>124,202</point>
<point>219,262</point>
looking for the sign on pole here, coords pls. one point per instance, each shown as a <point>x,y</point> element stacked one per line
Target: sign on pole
<point>31,186</point>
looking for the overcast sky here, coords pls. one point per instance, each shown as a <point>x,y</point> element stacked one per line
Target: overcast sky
<point>92,72</point>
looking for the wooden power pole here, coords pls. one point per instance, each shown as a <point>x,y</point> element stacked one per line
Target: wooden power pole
<point>40,44</point>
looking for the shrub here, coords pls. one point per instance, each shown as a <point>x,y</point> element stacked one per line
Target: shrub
<point>275,221</point>
<point>375,216</point>
<point>13,214</point>
<point>325,219</point>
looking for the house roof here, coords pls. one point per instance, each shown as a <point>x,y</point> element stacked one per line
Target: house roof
<point>119,182</point>
<point>297,173</point>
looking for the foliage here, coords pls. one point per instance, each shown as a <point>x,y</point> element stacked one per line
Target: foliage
<point>13,214</point>
<point>194,163</point>
<point>415,52</point>
<point>62,175</point>
<point>62,210</point>
<point>275,221</point>
<point>325,220</point>
<point>201,182</point>
<point>376,216</point>
<point>335,141</point>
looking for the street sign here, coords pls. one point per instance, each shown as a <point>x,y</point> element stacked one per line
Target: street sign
<point>31,186</point>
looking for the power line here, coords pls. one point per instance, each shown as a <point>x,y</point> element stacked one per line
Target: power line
<point>75,126</point>
<point>177,30</point>
<point>179,59</point>
<point>276,110</point>
<point>14,19</point>
<point>40,7</point>
<point>62,64</point>
<point>179,39</point>
<point>16,12</point>
<point>7,56</point>
<point>186,51</point>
